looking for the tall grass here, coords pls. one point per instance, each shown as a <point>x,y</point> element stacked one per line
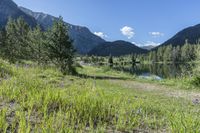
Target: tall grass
<point>36,99</point>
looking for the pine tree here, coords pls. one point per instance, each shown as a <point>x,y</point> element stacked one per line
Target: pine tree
<point>176,54</point>
<point>37,43</point>
<point>133,59</point>
<point>185,52</point>
<point>153,56</point>
<point>110,61</point>
<point>10,49</point>
<point>160,52</point>
<point>2,41</point>
<point>22,29</point>
<point>16,45</point>
<point>61,50</point>
<point>196,69</point>
<point>168,53</point>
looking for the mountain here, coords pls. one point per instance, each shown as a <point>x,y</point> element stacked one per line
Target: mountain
<point>9,9</point>
<point>149,47</point>
<point>84,40</point>
<point>117,48</point>
<point>191,34</point>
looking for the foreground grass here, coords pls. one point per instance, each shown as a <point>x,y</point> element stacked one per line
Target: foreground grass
<point>36,99</point>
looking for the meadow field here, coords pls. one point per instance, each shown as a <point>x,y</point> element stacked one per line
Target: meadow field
<point>40,99</point>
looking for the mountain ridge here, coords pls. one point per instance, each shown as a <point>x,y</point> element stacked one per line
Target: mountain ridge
<point>84,39</point>
<point>116,48</point>
<point>191,34</point>
<point>10,9</point>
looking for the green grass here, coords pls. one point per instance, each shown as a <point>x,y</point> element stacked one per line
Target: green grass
<point>37,99</point>
<point>184,83</point>
<point>104,71</point>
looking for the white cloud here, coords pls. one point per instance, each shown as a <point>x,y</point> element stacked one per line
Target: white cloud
<point>156,34</point>
<point>151,43</point>
<point>127,31</point>
<point>101,34</point>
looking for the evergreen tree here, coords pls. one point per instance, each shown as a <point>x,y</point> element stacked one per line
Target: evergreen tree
<point>110,61</point>
<point>93,59</point>
<point>10,49</point>
<point>185,52</point>
<point>2,41</point>
<point>196,69</point>
<point>150,56</point>
<point>160,52</point>
<point>22,29</point>
<point>168,53</point>
<point>37,42</point>
<point>61,50</point>
<point>16,44</point>
<point>176,54</point>
<point>192,52</point>
<point>121,60</point>
<point>153,56</point>
<point>133,59</point>
<point>188,52</point>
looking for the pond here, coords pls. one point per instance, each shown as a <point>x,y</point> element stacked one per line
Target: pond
<point>158,71</point>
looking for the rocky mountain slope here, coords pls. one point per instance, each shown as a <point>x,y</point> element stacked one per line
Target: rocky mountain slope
<point>84,39</point>
<point>9,9</point>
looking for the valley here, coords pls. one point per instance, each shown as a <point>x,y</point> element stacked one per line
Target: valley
<point>58,77</point>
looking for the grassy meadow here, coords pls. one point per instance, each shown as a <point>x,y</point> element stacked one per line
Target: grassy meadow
<point>41,99</point>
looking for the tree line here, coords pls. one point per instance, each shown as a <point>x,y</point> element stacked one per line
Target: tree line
<point>186,53</point>
<point>165,54</point>
<point>19,41</point>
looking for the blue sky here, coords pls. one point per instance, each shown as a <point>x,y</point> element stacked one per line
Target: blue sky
<point>141,21</point>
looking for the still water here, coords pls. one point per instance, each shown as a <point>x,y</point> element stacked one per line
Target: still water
<point>158,71</point>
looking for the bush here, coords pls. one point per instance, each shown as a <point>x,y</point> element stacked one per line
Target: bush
<point>5,69</point>
<point>196,81</point>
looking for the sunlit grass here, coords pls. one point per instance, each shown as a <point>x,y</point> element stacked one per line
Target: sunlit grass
<point>43,100</point>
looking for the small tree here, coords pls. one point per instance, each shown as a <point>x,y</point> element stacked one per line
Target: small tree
<point>16,45</point>
<point>168,53</point>
<point>2,41</point>
<point>133,59</point>
<point>10,49</point>
<point>37,42</point>
<point>197,55</point>
<point>187,53</point>
<point>196,69</point>
<point>110,61</point>
<point>22,30</point>
<point>61,50</point>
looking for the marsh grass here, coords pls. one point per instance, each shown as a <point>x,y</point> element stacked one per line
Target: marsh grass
<point>37,99</point>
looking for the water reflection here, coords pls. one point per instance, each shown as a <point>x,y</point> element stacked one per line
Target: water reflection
<point>150,76</point>
<point>158,70</point>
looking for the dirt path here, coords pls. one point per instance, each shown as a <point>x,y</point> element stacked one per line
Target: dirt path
<point>159,89</point>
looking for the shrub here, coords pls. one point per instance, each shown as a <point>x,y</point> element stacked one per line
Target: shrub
<point>5,69</point>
